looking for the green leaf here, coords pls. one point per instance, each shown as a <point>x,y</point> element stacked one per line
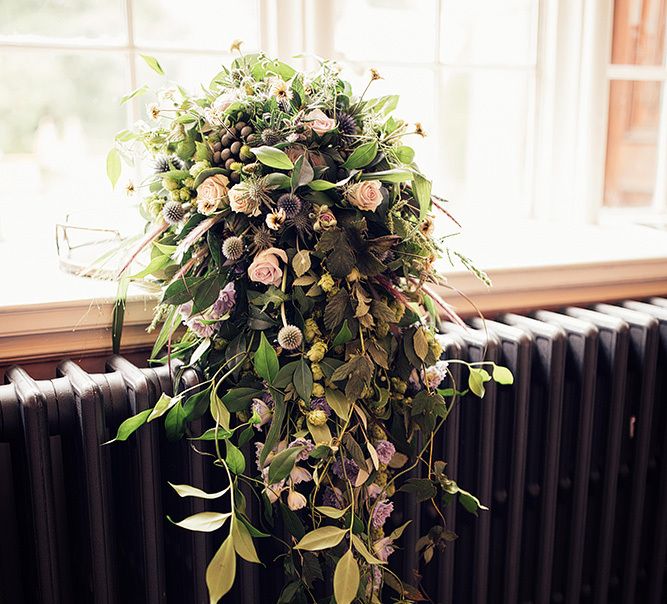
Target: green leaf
<point>243,542</point>
<point>340,404</point>
<point>135,93</point>
<point>239,399</point>
<point>118,315</point>
<point>273,435</point>
<point>360,546</point>
<point>234,458</point>
<point>197,404</point>
<point>113,166</point>
<point>405,154</point>
<point>204,522</point>
<point>131,425</point>
<point>303,380</point>
<point>276,180</point>
<point>303,172</point>
<point>266,360</point>
<point>174,423</point>
<point>343,336</point>
<point>204,174</point>
<point>164,403</point>
<point>272,157</point>
<point>422,488</point>
<point>185,490</point>
<point>282,464</point>
<point>321,538</point>
<point>394,175</point>
<point>421,188</point>
<point>285,375</point>
<point>502,375</point>
<point>321,185</point>
<point>221,571</point>
<point>420,343</point>
<point>155,265</point>
<point>334,513</point>
<point>470,502</point>
<point>152,62</point>
<point>346,579</point>
<point>362,156</point>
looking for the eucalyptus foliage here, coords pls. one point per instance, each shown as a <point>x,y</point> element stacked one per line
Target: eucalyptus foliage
<point>291,233</point>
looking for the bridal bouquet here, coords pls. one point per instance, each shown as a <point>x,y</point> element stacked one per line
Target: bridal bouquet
<point>291,233</point>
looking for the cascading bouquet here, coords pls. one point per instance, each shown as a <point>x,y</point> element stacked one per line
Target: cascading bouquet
<point>291,234</point>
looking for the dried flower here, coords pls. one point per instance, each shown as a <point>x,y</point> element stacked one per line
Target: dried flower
<point>317,351</point>
<point>324,219</point>
<point>375,74</point>
<point>419,129</point>
<point>235,46</point>
<point>290,337</point>
<point>290,204</point>
<point>295,500</point>
<point>317,417</point>
<point>320,404</point>
<point>153,110</point>
<point>173,212</point>
<point>232,248</point>
<point>275,219</point>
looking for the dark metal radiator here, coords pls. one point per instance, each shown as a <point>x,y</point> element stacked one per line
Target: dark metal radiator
<point>571,459</point>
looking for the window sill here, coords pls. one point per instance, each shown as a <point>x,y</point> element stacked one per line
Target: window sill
<point>55,315</point>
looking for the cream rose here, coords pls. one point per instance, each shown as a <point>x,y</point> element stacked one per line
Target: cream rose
<point>320,122</point>
<point>366,195</point>
<point>240,200</point>
<point>265,267</point>
<point>211,192</point>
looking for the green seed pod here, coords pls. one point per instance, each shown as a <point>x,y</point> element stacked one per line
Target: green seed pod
<point>245,153</point>
<point>236,166</point>
<point>170,184</point>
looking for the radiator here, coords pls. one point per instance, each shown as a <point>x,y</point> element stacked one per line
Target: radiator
<point>570,459</point>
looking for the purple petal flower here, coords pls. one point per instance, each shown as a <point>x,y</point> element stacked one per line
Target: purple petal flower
<point>226,300</point>
<point>332,498</point>
<point>306,443</point>
<point>385,451</point>
<point>351,469</point>
<point>381,512</point>
<point>320,404</point>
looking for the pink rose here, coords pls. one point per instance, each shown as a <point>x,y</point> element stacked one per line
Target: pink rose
<point>265,267</point>
<point>365,195</point>
<point>320,122</point>
<point>211,192</point>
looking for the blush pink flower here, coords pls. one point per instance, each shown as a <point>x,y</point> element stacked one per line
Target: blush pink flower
<point>211,193</point>
<point>320,122</point>
<point>265,267</point>
<point>365,195</point>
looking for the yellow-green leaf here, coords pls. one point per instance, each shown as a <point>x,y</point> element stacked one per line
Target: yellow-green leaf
<point>301,262</point>
<point>204,522</point>
<point>360,546</point>
<point>340,404</point>
<point>164,403</point>
<point>221,571</point>
<point>321,434</point>
<point>272,157</point>
<point>346,579</point>
<point>243,542</point>
<point>113,166</point>
<point>152,62</point>
<point>420,343</point>
<point>321,538</point>
<point>219,410</point>
<point>331,512</point>
<point>502,375</point>
<point>185,490</point>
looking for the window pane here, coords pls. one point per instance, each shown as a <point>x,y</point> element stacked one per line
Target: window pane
<point>489,32</point>
<point>186,69</point>
<point>210,24</point>
<point>388,30</point>
<point>639,32</point>
<point>58,124</point>
<point>64,18</point>
<point>632,143</point>
<point>485,136</point>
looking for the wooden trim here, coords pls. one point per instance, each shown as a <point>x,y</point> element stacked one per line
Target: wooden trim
<point>43,332</point>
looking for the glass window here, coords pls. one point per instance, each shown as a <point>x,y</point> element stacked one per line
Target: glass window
<point>639,32</point>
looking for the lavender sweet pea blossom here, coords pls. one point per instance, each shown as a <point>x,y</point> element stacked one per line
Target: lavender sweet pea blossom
<point>381,512</point>
<point>263,410</point>
<point>226,300</point>
<point>320,404</point>
<point>351,469</point>
<point>307,445</point>
<point>332,498</point>
<point>385,451</point>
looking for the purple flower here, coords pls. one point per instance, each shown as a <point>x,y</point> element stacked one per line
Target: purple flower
<point>381,512</point>
<point>263,410</point>
<point>385,451</point>
<point>226,300</point>
<point>307,445</point>
<point>332,498</point>
<point>384,548</point>
<point>203,330</point>
<point>320,404</point>
<point>351,469</point>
